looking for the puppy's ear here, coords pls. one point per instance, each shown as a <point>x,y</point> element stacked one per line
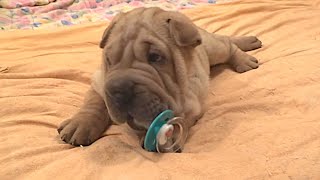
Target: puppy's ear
<point>184,33</point>
<point>105,35</point>
<point>108,30</point>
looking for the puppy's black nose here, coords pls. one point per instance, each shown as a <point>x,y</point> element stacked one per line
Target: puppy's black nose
<point>121,91</point>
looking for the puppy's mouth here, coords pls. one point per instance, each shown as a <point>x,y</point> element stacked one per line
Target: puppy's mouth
<point>134,103</point>
<point>133,123</point>
<point>141,117</point>
<point>139,112</point>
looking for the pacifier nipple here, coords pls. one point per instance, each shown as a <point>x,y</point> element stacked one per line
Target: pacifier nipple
<point>171,136</point>
<point>165,132</point>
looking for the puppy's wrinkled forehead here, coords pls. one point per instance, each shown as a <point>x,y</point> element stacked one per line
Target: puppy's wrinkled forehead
<point>134,33</point>
<point>129,33</point>
<point>155,22</point>
<point>150,21</point>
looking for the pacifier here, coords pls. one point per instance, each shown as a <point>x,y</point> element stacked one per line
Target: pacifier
<point>166,133</point>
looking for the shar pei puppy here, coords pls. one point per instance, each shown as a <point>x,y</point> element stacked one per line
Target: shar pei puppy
<point>153,60</point>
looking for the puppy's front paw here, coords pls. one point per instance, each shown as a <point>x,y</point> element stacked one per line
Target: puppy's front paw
<point>79,131</point>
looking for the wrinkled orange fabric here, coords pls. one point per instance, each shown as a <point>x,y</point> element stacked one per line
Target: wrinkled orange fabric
<point>261,124</point>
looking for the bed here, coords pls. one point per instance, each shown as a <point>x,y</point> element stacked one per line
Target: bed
<point>263,124</point>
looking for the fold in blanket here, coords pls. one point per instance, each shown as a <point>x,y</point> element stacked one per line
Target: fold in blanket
<point>263,124</point>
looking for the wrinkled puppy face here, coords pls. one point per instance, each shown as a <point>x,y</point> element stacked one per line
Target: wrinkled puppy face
<point>145,63</point>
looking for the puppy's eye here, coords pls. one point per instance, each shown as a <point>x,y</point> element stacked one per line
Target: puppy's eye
<point>155,58</point>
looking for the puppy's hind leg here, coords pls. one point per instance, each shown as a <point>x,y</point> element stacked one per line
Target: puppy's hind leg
<point>247,43</point>
<point>223,49</point>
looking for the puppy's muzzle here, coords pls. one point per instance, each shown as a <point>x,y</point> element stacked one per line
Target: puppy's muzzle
<point>121,92</point>
<point>134,101</point>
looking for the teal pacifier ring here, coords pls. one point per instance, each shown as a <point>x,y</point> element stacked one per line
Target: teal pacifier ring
<point>150,141</point>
